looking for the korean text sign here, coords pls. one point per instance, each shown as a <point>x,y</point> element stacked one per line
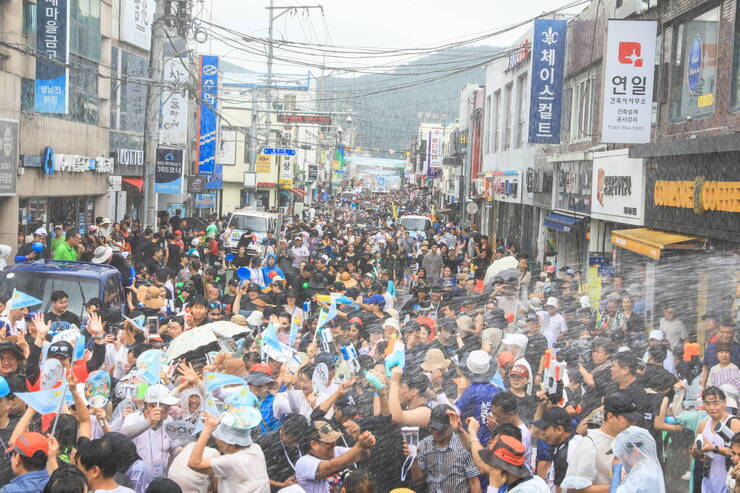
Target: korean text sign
<point>628,81</point>
<point>546,92</point>
<point>168,171</point>
<point>173,125</point>
<point>208,100</point>
<point>52,42</point>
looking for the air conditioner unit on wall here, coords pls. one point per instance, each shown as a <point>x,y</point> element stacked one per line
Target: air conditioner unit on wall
<point>633,7</point>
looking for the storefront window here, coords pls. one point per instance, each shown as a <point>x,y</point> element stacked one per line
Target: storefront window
<point>694,70</point>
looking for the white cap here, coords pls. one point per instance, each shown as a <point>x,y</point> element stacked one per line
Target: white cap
<point>656,335</point>
<point>105,221</point>
<point>515,340</point>
<point>478,362</point>
<point>159,394</point>
<point>552,301</point>
<point>41,232</point>
<point>584,301</point>
<point>392,322</point>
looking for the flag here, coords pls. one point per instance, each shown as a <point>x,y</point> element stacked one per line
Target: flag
<point>20,300</point>
<point>434,213</point>
<point>323,318</point>
<point>44,401</point>
<point>149,366</point>
<point>395,210</point>
<point>294,328</point>
<point>214,380</point>
<point>270,337</point>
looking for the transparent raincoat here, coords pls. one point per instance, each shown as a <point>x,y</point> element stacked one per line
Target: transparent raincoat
<point>635,448</point>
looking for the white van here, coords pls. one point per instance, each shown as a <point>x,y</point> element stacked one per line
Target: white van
<point>416,225</point>
<point>259,223</point>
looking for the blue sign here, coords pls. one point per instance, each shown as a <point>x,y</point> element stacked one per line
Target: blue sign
<point>205,201</point>
<point>546,91</point>
<point>52,43</point>
<point>278,151</point>
<point>168,171</point>
<point>215,181</point>
<point>207,117</point>
<point>693,70</point>
<point>47,161</point>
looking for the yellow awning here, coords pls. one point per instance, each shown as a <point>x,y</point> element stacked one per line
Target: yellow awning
<point>649,242</point>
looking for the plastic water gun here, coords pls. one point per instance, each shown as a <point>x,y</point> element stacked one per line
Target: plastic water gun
<point>395,355</point>
<point>350,356</point>
<point>554,371</point>
<point>374,381</point>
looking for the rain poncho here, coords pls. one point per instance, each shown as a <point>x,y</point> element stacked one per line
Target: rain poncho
<point>270,267</point>
<point>636,449</point>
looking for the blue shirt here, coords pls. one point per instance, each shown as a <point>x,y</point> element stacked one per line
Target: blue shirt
<point>31,482</point>
<point>475,402</point>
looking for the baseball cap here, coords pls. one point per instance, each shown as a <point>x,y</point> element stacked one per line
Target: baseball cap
<point>520,370</point>
<point>9,346</point>
<point>159,394</point>
<point>376,299</point>
<point>621,404</point>
<point>439,420</point>
<point>531,317</point>
<point>554,416</point>
<point>40,232</point>
<point>29,443</point>
<point>323,431</point>
<point>506,453</point>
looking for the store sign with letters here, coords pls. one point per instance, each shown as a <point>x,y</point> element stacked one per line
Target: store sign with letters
<point>137,17</point>
<point>130,157</point>
<point>168,171</point>
<point>52,42</point>
<point>628,81</point>
<point>507,186</point>
<point>8,156</point>
<point>546,91</point>
<point>73,163</point>
<point>618,191</point>
<point>173,127</point>
<point>208,102</point>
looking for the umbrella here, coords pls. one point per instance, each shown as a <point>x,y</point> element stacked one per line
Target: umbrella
<point>499,266</point>
<point>226,329</point>
<point>508,275</point>
<point>191,340</point>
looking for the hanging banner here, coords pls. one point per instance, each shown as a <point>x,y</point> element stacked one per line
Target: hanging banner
<point>205,201</point>
<point>8,156</point>
<point>628,81</point>
<point>546,91</point>
<point>286,171</point>
<point>168,171</point>
<point>208,102</point>
<point>52,43</point>
<point>216,180</point>
<point>137,17</point>
<point>173,126</point>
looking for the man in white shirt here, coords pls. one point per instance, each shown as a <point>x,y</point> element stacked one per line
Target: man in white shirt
<point>553,323</point>
<point>190,480</point>
<point>147,430</point>
<point>590,469</point>
<point>241,468</point>
<point>321,466</point>
<point>300,252</point>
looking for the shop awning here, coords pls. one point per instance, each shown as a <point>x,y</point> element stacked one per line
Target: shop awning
<point>560,222</point>
<point>298,191</point>
<point>135,182</point>
<point>651,243</point>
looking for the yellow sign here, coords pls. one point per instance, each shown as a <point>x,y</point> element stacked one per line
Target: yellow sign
<point>286,183</point>
<point>705,100</point>
<point>336,165</point>
<point>698,194</point>
<point>263,164</point>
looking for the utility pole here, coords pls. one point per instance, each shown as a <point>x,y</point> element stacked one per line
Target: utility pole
<point>268,99</point>
<point>152,113</point>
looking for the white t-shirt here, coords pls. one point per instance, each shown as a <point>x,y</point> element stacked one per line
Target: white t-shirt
<point>153,446</point>
<point>242,472</point>
<point>298,403</point>
<point>552,326</point>
<point>527,442</point>
<point>305,472</point>
<point>590,465</point>
<point>120,489</point>
<point>190,480</point>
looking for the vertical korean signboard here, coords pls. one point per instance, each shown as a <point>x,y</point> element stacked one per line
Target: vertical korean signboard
<point>546,92</point>
<point>168,171</point>
<point>8,156</point>
<point>207,130</point>
<point>173,127</point>
<point>52,43</point>
<point>628,82</point>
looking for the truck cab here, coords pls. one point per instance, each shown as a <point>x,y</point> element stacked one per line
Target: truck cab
<point>80,280</point>
<point>259,223</point>
<point>416,225</point>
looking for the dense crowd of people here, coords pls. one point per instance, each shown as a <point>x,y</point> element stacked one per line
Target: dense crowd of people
<point>345,353</point>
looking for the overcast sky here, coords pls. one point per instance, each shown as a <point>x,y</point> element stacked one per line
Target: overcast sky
<point>378,23</point>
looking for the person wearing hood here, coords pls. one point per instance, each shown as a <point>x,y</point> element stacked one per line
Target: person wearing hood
<point>270,267</point>
<point>636,450</point>
<point>5,251</point>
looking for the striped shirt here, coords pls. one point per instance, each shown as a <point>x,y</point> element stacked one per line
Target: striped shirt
<point>447,469</point>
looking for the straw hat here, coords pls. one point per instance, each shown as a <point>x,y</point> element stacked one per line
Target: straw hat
<point>434,360</point>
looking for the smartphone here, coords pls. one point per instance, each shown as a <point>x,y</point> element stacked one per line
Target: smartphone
<point>410,435</point>
<point>152,324</point>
